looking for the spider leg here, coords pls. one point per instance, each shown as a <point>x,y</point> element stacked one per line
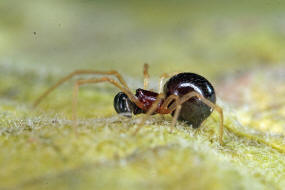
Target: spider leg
<point>80,72</point>
<point>146,76</point>
<point>162,77</point>
<point>81,82</point>
<point>176,114</point>
<point>199,129</point>
<point>151,110</point>
<point>192,94</point>
<point>169,100</point>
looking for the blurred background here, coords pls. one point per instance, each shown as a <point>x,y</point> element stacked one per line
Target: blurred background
<point>238,45</point>
<point>212,38</point>
<point>41,41</point>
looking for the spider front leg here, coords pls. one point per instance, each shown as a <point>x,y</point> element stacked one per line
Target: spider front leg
<point>146,76</point>
<point>80,72</point>
<point>150,111</point>
<point>170,99</point>
<point>177,106</point>
<point>79,83</point>
<point>161,79</point>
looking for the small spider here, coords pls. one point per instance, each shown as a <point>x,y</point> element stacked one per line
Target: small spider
<point>186,96</point>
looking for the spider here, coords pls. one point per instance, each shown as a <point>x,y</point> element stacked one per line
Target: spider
<point>186,96</point>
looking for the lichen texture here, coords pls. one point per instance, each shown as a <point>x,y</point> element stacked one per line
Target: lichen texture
<point>236,46</point>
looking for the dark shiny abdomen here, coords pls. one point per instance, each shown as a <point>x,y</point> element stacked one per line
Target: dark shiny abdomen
<point>194,112</point>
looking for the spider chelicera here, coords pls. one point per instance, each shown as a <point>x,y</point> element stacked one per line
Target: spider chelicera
<point>186,96</point>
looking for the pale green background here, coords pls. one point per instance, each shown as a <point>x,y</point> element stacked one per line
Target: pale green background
<point>42,40</point>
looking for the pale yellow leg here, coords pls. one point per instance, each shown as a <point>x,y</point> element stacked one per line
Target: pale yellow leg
<point>78,83</point>
<point>152,109</point>
<point>169,100</point>
<point>161,80</point>
<point>192,94</point>
<point>146,76</point>
<point>79,72</point>
<point>165,105</point>
<point>176,115</point>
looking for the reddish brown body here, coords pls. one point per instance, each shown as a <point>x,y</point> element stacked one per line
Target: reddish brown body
<point>147,98</point>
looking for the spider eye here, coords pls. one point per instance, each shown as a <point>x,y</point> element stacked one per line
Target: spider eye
<point>123,105</point>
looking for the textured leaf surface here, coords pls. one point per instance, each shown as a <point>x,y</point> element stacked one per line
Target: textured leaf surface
<point>239,47</point>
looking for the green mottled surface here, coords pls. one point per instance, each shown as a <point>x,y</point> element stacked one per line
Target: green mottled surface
<point>240,47</point>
